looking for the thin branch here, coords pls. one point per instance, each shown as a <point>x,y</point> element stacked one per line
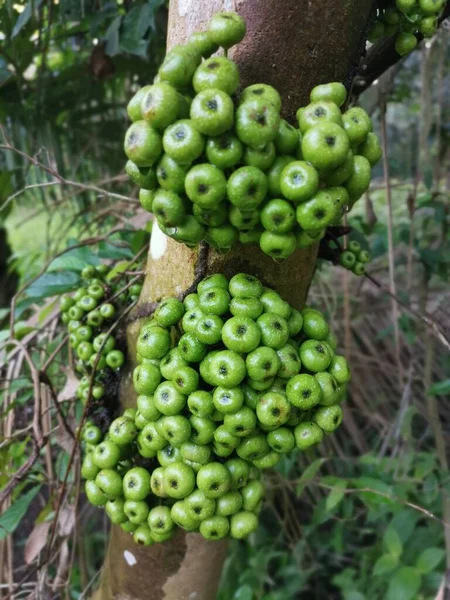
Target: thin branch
<point>380,58</point>
<point>46,381</point>
<point>412,505</point>
<point>392,286</point>
<point>425,318</point>
<point>60,179</point>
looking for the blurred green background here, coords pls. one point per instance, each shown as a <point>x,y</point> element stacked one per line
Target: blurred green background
<point>364,516</point>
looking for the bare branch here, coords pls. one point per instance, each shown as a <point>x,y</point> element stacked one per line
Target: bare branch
<point>60,179</point>
<point>380,58</point>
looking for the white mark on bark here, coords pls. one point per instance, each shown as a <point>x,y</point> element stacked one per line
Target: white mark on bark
<point>193,595</point>
<point>158,242</point>
<point>130,558</point>
<point>228,6</point>
<point>184,7</point>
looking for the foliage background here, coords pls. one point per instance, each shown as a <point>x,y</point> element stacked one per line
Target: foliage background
<point>363,517</point>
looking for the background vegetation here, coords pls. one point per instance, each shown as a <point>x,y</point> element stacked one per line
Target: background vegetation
<point>365,516</point>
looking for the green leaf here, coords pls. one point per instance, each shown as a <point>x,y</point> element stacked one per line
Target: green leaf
<point>66,263</point>
<point>51,284</point>
<point>353,595</point>
<point>392,543</point>
<point>429,559</point>
<point>371,483</point>
<point>25,16</point>
<point>404,584</point>
<point>74,260</point>
<point>308,474</point>
<point>112,37</point>
<point>138,241</point>
<point>404,523</point>
<point>136,47</point>
<point>440,388</point>
<point>245,592</point>
<point>336,495</point>
<point>111,251</point>
<point>11,518</point>
<point>385,564</point>
<point>135,24</point>
<point>5,74</point>
<point>4,312</point>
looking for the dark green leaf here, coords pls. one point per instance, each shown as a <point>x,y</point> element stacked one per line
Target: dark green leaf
<point>111,251</point>
<point>370,483</point>
<point>336,495</point>
<point>404,584</point>
<point>440,388</point>
<point>12,516</point>
<point>392,543</point>
<point>245,592</point>
<point>136,47</point>
<point>134,26</point>
<point>385,564</point>
<point>429,559</point>
<point>74,260</point>
<point>354,595</point>
<point>112,37</point>
<point>308,474</point>
<point>50,284</point>
<point>25,16</point>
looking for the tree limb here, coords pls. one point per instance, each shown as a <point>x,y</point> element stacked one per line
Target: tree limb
<point>380,58</point>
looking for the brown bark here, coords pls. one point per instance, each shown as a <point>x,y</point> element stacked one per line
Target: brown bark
<point>293,45</point>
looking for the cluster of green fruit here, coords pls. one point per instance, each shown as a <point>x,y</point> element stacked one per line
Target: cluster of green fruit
<point>221,167</point>
<point>354,258</point>
<point>87,313</point>
<point>406,19</point>
<point>227,381</point>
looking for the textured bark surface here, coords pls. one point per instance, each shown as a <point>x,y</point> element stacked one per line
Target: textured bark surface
<point>290,44</point>
<point>293,45</point>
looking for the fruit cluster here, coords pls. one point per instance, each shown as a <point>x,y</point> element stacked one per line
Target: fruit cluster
<point>406,19</point>
<point>354,258</point>
<point>224,167</point>
<point>88,313</point>
<point>227,381</point>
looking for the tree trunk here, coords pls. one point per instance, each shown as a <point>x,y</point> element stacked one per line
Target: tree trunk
<point>293,45</point>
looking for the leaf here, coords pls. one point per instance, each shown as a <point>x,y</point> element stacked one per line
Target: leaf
<point>245,592</point>
<point>440,388</point>
<point>63,439</point>
<point>385,564</point>
<point>11,518</point>
<point>25,16</point>
<point>112,37</point>
<point>371,483</point>
<point>74,260</point>
<point>107,250</point>
<point>36,541</point>
<point>308,474</point>
<point>404,523</point>
<point>70,387</point>
<point>336,495</point>
<point>134,26</point>
<point>66,263</point>
<point>66,520</point>
<point>353,595</point>
<point>392,543</point>
<point>51,284</point>
<point>404,584</point>
<point>429,559</point>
